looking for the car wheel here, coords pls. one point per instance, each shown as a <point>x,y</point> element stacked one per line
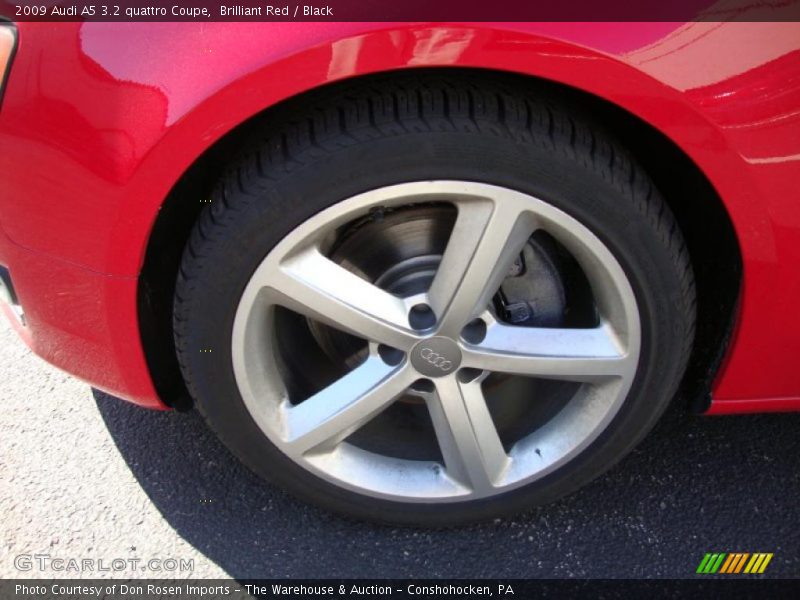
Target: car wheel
<point>419,300</point>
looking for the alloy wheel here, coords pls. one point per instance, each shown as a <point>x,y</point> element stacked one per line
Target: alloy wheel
<point>439,344</point>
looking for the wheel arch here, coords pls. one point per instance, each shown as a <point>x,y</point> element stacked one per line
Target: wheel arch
<point>688,190</point>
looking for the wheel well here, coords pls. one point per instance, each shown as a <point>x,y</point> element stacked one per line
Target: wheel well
<point>699,211</point>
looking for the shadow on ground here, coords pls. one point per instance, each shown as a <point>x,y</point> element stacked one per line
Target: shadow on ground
<point>697,484</point>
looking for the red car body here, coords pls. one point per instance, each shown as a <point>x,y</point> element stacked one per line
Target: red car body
<point>100,120</point>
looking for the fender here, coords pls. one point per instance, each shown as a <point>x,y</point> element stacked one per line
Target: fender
<point>140,121</point>
<point>120,117</point>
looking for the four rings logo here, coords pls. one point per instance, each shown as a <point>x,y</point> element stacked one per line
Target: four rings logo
<point>436,359</point>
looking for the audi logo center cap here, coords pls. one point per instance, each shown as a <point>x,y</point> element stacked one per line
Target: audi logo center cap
<point>436,357</point>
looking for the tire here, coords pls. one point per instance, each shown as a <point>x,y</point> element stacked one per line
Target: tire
<point>346,142</point>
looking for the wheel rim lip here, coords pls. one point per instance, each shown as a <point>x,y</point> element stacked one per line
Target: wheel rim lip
<point>592,407</point>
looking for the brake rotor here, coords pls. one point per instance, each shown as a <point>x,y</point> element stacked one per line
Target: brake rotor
<point>400,250</point>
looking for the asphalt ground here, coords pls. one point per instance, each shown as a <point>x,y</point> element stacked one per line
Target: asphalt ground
<point>85,475</point>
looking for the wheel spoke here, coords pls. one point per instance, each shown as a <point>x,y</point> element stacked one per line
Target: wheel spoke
<point>584,355</point>
<point>470,445</point>
<point>315,286</point>
<point>329,416</point>
<point>487,237</point>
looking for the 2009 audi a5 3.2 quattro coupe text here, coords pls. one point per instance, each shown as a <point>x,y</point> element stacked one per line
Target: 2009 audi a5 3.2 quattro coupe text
<point>414,272</point>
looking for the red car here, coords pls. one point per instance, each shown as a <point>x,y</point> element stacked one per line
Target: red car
<point>421,273</point>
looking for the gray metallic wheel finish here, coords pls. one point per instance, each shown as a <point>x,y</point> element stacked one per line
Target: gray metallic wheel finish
<point>492,226</point>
